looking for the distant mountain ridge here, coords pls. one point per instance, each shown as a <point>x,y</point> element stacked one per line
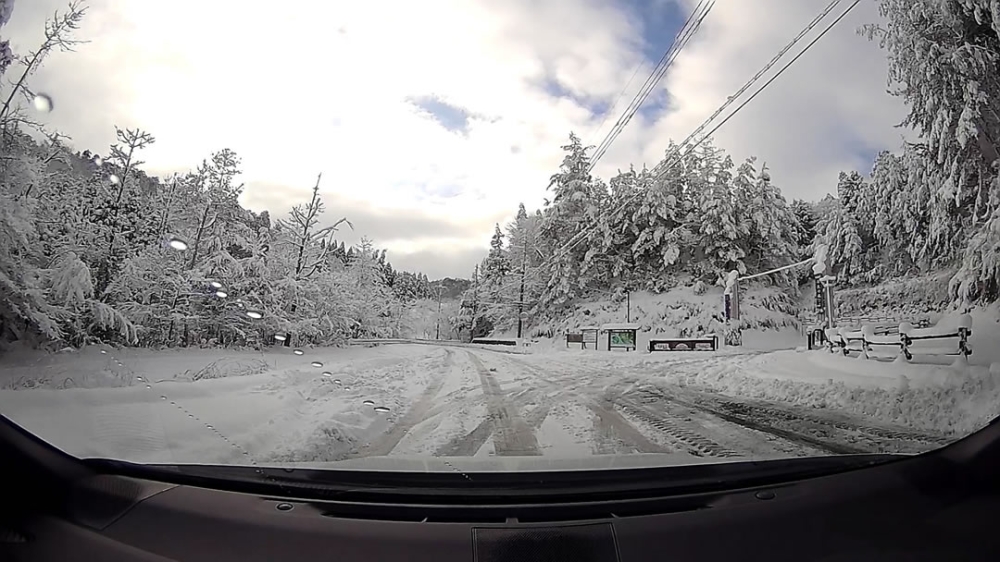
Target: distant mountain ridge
<point>451,288</point>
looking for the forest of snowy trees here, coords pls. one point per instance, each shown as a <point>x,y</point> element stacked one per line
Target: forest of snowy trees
<point>933,204</point>
<point>94,249</point>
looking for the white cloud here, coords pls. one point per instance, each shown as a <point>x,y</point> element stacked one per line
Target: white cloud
<point>814,120</point>
<point>301,87</point>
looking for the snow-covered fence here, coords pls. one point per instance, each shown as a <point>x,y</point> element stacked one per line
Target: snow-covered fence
<point>848,340</point>
<point>907,339</point>
<point>955,339</point>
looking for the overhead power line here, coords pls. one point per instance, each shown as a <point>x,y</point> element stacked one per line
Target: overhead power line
<point>687,31</point>
<point>659,169</point>
<point>675,156</point>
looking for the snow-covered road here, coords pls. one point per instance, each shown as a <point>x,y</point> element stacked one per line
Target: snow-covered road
<point>418,401</point>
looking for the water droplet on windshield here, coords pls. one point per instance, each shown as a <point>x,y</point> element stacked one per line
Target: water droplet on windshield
<point>278,337</point>
<point>114,179</point>
<point>221,294</point>
<point>369,402</point>
<point>254,314</point>
<point>381,409</point>
<point>43,103</point>
<point>177,244</point>
<point>317,364</point>
<point>215,285</point>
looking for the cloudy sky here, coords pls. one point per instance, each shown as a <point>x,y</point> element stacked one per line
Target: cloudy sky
<point>432,120</point>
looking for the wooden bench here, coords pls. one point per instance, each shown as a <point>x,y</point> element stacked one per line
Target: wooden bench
<point>576,338</point>
<point>707,343</point>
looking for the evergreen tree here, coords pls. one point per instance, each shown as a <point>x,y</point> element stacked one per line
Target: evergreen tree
<point>805,223</point>
<point>497,262</point>
<point>576,204</point>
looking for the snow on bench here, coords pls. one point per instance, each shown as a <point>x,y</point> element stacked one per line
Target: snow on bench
<point>708,342</point>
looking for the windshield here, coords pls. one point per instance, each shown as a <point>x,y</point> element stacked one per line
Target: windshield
<point>441,235</point>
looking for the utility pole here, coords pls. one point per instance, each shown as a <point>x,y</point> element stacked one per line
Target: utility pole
<point>475,302</point>
<point>437,325</point>
<point>520,298</point>
<point>628,304</point>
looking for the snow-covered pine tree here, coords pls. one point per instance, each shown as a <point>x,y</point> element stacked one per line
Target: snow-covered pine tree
<point>661,219</point>
<point>805,224</point>
<point>565,227</point>
<point>526,261</point>
<point>497,261</point>
<point>773,237</point>
<point>721,237</point>
<point>943,59</point>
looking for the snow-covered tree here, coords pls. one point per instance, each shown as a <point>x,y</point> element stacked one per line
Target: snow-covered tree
<point>721,236</point>
<point>569,242</point>
<point>943,60</point>
<point>497,264</point>
<point>805,225</point>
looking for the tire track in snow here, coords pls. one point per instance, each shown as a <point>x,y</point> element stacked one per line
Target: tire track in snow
<point>828,432</point>
<point>467,445</point>
<point>512,436</point>
<point>680,433</point>
<point>613,433</point>
<point>384,444</point>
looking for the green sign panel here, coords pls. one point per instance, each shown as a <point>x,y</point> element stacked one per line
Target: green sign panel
<point>622,339</point>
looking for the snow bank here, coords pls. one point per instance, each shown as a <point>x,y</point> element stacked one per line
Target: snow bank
<point>293,411</point>
<point>907,297</point>
<point>950,400</point>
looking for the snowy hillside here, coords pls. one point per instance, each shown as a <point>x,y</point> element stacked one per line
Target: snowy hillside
<point>907,296</point>
<point>681,312</point>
